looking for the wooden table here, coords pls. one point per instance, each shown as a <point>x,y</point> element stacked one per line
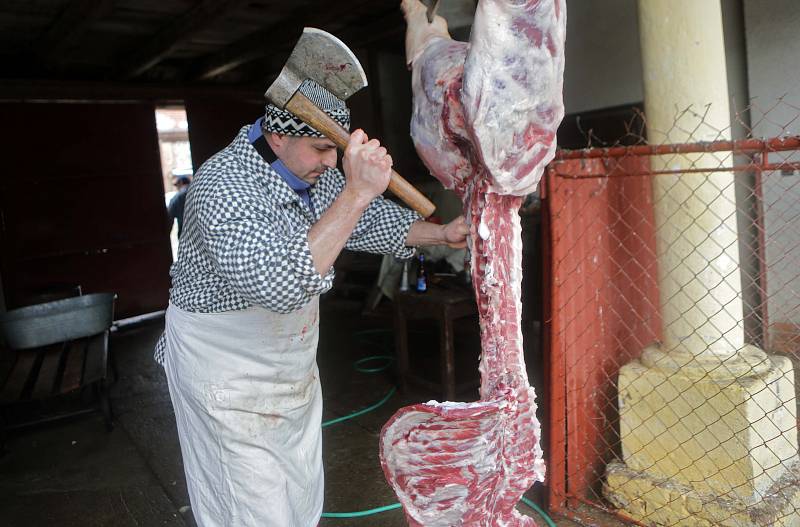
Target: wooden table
<point>445,305</point>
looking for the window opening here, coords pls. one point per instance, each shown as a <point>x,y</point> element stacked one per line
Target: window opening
<point>176,164</point>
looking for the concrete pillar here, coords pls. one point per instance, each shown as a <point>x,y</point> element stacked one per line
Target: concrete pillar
<point>707,422</point>
<point>686,100</point>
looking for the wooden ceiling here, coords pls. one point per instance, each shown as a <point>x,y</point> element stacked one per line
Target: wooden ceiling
<point>235,43</point>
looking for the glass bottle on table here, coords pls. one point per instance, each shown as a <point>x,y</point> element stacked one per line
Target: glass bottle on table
<point>404,277</point>
<point>422,275</point>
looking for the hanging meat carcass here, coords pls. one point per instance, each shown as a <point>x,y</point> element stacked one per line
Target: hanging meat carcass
<point>484,122</point>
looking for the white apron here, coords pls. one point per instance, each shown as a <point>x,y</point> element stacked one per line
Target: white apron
<point>248,404</point>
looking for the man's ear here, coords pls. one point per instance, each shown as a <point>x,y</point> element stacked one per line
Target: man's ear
<point>276,141</point>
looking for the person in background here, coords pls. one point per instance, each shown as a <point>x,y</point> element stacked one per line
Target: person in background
<point>181,180</point>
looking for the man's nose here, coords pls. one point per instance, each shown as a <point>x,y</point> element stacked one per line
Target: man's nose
<point>330,158</point>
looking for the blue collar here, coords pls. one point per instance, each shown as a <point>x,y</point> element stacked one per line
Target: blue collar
<point>259,142</point>
<point>254,133</point>
<point>293,181</point>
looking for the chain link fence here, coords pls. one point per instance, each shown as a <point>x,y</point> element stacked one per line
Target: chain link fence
<point>674,324</point>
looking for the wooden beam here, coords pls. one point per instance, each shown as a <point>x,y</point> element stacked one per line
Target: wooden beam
<point>26,8</point>
<point>68,26</point>
<point>161,44</point>
<point>386,25</point>
<point>252,47</point>
<point>274,39</point>
<point>33,91</point>
<point>388,29</point>
<point>263,71</point>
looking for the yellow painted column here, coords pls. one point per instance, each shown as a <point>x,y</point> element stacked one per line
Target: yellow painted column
<point>707,423</point>
<point>686,100</point>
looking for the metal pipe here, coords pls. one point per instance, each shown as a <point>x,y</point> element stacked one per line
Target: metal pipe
<point>618,172</point>
<point>742,146</point>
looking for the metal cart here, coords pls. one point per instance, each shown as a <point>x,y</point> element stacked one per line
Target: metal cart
<point>56,348</point>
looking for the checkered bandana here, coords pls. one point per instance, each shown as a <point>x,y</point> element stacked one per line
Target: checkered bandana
<point>283,122</point>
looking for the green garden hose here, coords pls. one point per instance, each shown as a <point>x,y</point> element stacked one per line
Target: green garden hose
<point>361,412</point>
<point>547,519</point>
<point>361,514</point>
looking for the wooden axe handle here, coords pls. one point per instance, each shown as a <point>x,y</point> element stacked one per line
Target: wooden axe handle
<point>306,110</point>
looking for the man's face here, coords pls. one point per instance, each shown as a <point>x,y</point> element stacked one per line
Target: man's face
<point>306,157</point>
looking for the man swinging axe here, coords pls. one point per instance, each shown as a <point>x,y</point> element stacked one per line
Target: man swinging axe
<point>265,218</point>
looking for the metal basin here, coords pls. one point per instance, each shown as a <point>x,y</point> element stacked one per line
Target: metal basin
<point>59,321</point>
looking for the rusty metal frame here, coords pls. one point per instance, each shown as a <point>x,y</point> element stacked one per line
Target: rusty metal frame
<point>609,157</point>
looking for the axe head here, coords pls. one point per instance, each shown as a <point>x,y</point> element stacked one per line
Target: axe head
<point>324,59</point>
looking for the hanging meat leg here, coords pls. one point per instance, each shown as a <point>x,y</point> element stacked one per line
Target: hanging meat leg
<point>484,122</point>
<point>469,464</point>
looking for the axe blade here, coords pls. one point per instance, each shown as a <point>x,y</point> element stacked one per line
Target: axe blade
<point>323,58</point>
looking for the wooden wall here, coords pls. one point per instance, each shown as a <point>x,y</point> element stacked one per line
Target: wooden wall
<point>214,122</point>
<point>82,203</point>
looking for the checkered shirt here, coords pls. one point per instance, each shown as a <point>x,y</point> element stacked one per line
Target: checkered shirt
<point>245,236</point>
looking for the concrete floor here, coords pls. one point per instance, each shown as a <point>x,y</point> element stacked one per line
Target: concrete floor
<point>76,473</point>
